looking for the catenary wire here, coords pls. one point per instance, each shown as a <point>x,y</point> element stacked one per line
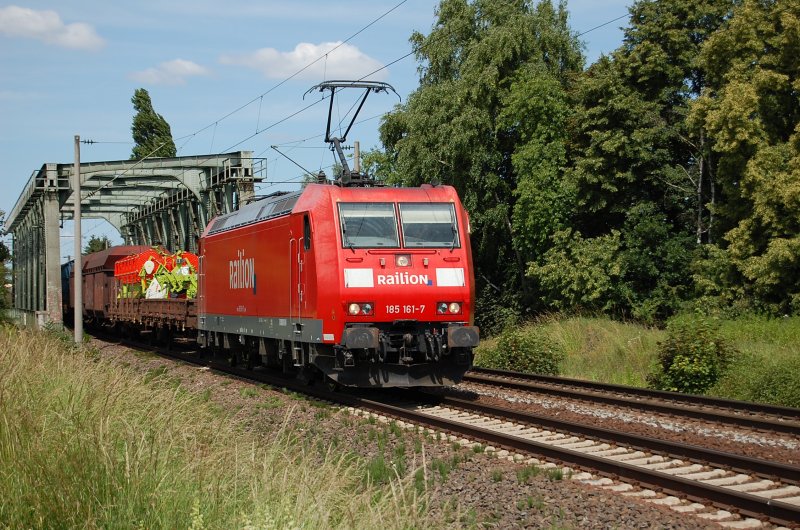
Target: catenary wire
<point>260,97</point>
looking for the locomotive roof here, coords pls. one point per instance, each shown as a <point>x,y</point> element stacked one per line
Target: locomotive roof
<point>282,203</point>
<point>266,208</point>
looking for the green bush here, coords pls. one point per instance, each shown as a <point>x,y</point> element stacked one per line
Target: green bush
<point>752,378</point>
<point>529,349</point>
<point>692,358</point>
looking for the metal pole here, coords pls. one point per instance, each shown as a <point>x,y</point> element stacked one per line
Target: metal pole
<point>76,190</point>
<point>356,157</point>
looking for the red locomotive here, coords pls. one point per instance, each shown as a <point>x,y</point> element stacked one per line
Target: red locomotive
<point>371,286</point>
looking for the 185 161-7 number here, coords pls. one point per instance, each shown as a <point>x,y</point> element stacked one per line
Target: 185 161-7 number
<point>399,309</point>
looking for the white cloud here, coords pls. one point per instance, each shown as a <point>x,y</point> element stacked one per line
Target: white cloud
<point>345,62</point>
<point>172,72</point>
<point>48,27</point>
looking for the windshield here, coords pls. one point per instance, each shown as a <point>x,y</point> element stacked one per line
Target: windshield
<point>368,224</point>
<point>429,225</point>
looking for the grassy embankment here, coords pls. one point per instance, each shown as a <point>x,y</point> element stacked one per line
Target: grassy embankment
<point>766,368</point>
<point>91,445</point>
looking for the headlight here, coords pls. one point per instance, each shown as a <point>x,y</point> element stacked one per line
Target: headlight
<point>360,308</point>
<point>402,260</point>
<point>453,308</point>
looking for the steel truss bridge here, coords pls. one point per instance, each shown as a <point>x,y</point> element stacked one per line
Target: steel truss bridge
<point>165,201</point>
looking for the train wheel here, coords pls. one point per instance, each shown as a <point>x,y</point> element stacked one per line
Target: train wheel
<point>247,360</point>
<point>286,357</point>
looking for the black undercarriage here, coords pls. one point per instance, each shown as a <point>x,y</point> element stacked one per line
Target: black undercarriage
<point>401,353</point>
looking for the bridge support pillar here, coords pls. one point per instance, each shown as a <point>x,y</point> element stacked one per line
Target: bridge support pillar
<point>53,311</point>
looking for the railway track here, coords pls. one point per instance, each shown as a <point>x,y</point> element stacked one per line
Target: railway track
<point>687,478</point>
<point>681,473</point>
<point>739,413</point>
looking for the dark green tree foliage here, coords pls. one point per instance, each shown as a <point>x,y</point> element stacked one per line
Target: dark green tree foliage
<point>5,254</point>
<point>751,109</point>
<point>151,132</point>
<point>637,176</point>
<point>96,244</point>
<point>489,118</point>
<point>668,172</point>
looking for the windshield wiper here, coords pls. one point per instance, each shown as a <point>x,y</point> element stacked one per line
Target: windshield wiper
<point>347,242</point>
<point>455,237</point>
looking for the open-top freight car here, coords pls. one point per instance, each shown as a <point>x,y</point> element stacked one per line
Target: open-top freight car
<point>371,286</point>
<point>99,285</point>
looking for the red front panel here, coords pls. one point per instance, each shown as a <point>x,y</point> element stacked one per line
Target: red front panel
<point>377,276</point>
<point>410,292</point>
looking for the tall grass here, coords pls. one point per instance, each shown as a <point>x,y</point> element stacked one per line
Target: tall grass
<point>598,349</point>
<point>766,367</point>
<point>87,444</point>
<point>774,337</point>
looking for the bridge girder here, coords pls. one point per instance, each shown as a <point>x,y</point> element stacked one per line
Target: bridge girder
<point>165,201</point>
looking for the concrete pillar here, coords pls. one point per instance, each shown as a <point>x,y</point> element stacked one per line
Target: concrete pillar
<point>38,266</point>
<point>52,258</point>
<point>228,205</point>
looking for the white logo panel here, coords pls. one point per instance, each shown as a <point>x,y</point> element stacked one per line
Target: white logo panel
<point>450,278</point>
<point>358,278</point>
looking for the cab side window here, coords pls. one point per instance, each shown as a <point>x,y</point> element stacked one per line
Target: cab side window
<point>306,233</point>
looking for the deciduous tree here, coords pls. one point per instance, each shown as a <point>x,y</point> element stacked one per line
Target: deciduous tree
<point>634,167</point>
<point>488,118</point>
<point>751,109</point>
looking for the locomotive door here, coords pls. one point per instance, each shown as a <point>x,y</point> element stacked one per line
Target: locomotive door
<point>297,248</point>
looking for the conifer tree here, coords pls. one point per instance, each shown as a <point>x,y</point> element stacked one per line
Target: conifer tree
<point>151,132</point>
<point>96,244</point>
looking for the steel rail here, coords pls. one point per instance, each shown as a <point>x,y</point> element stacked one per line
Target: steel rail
<point>747,504</point>
<point>747,406</point>
<point>739,463</point>
<point>668,404</point>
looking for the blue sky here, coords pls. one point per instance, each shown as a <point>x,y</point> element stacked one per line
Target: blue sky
<point>71,68</point>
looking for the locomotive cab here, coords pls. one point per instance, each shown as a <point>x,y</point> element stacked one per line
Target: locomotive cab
<point>406,289</point>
